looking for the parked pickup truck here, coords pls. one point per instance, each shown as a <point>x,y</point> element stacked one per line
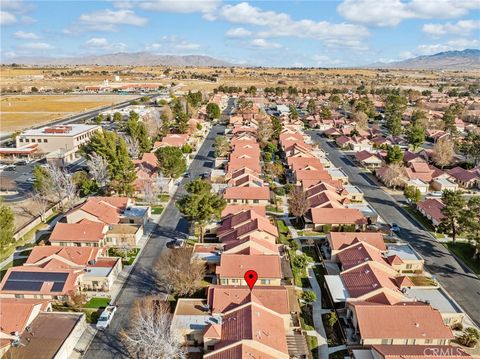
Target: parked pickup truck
<point>106,317</point>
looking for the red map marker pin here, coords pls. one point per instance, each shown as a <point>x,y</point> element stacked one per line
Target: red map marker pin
<point>251,278</point>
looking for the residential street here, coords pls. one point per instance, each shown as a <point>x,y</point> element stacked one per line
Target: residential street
<point>460,282</point>
<point>141,283</point>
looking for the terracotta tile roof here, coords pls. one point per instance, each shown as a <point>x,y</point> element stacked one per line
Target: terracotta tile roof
<point>223,298</point>
<point>248,193</point>
<point>75,255</point>
<point>246,180</point>
<point>106,209</point>
<point>15,314</point>
<point>432,207</point>
<point>251,245</point>
<point>253,322</point>
<point>235,266</point>
<point>236,220</point>
<point>213,331</point>
<point>320,187</point>
<point>174,140</point>
<point>247,228</point>
<point>84,231</point>
<point>462,174</point>
<point>298,162</point>
<point>419,351</point>
<point>327,199</point>
<point>235,208</point>
<point>243,171</point>
<point>319,175</point>
<point>341,240</point>
<point>359,253</point>
<point>369,277</point>
<point>337,216</point>
<point>241,350</point>
<point>401,321</point>
<point>238,163</point>
<point>364,155</point>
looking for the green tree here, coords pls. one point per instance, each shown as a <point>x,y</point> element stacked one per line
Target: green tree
<point>186,148</point>
<point>470,147</point>
<point>469,337</point>
<point>394,155</point>
<point>311,106</point>
<point>85,184</point>
<point>293,112</point>
<point>213,111</point>
<point>181,122</point>
<point>416,135</point>
<point>200,205</point>
<point>412,193</point>
<point>138,131</point>
<point>419,117</point>
<point>471,223</point>
<point>325,113</point>
<point>453,209</point>
<point>99,119</point>
<point>171,162</point>
<point>124,173</point>
<point>7,225</point>
<point>395,106</point>
<point>117,117</point>
<point>42,181</point>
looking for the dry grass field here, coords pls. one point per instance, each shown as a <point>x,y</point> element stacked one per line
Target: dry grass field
<point>22,111</point>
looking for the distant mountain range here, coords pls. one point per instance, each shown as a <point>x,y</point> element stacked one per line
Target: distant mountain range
<point>468,59</point>
<point>124,58</point>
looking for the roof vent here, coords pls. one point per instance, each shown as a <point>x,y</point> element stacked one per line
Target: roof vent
<point>417,325</point>
<point>367,271</point>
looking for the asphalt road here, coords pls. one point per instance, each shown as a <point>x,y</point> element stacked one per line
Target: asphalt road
<point>140,283</point>
<point>459,281</point>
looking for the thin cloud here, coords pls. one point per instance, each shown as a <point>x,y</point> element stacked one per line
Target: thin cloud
<point>22,35</point>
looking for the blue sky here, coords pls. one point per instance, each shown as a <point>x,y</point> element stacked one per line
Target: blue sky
<point>265,33</point>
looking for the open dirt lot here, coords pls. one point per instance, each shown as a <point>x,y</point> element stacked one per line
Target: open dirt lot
<point>22,111</point>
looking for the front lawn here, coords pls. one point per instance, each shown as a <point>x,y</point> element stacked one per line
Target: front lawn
<point>97,302</point>
<point>164,197</point>
<point>465,252</point>
<point>157,209</point>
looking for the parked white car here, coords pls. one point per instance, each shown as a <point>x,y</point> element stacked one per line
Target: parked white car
<point>106,317</point>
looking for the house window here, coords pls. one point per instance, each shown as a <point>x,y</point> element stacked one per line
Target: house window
<point>409,266</point>
<point>428,341</point>
<point>210,347</point>
<point>27,140</point>
<point>132,221</point>
<point>190,337</point>
<point>45,140</point>
<point>19,296</point>
<point>20,140</point>
<point>234,281</point>
<point>265,281</point>
<point>256,201</point>
<point>33,140</point>
<point>95,283</point>
<point>386,341</point>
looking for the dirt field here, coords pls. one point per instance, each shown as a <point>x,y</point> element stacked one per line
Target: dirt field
<point>20,112</point>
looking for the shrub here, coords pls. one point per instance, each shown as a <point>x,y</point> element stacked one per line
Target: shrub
<point>309,296</point>
<point>186,148</point>
<point>469,337</point>
<point>294,245</point>
<point>332,319</point>
<point>279,191</point>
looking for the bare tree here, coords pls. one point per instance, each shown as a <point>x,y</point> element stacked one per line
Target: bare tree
<point>133,147</point>
<point>443,152</point>
<point>63,188</point>
<point>149,190</point>
<point>222,146</point>
<point>41,204</point>
<point>393,175</point>
<point>152,122</point>
<point>298,203</point>
<point>361,119</point>
<point>264,130</point>
<point>150,334</point>
<point>179,273</point>
<point>98,169</point>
